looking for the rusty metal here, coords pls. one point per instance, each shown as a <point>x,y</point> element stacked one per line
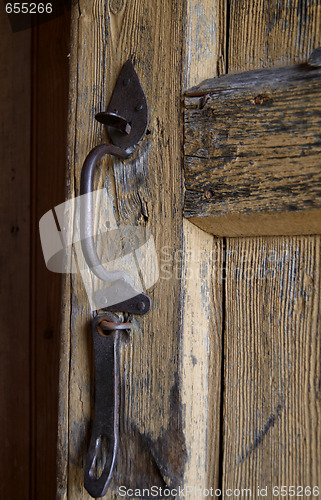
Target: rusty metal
<point>129,104</point>
<point>141,302</point>
<point>126,119</point>
<point>108,326</point>
<point>100,462</point>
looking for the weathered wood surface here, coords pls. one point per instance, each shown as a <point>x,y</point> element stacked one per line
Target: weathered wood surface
<point>34,85</point>
<point>174,355</point>
<point>163,416</point>
<point>251,153</point>
<point>264,34</point>
<point>201,286</point>
<point>15,85</point>
<point>50,47</point>
<point>272,367</point>
<point>272,295</point>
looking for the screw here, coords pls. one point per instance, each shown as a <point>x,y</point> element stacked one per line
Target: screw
<point>259,99</point>
<point>208,194</point>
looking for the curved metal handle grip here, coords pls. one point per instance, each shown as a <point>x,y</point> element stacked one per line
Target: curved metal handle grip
<point>139,303</point>
<point>87,214</point>
<point>104,435</point>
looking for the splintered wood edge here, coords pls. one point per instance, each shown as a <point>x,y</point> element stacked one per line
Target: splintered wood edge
<point>263,224</point>
<point>242,212</point>
<point>256,79</point>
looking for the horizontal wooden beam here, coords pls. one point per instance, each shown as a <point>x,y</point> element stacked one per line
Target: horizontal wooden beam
<point>252,147</point>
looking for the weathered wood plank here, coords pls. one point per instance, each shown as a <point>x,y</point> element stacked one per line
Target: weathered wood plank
<point>272,368</point>
<point>271,33</point>
<point>49,119</point>
<point>159,399</point>
<point>201,320</point>
<point>252,142</point>
<point>201,284</point>
<point>205,26</point>
<point>272,301</point>
<point>148,191</point>
<point>15,86</point>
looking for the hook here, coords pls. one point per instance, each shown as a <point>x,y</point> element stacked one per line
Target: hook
<point>104,436</point>
<point>126,118</point>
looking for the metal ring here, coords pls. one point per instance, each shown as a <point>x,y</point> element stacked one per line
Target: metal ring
<point>110,326</point>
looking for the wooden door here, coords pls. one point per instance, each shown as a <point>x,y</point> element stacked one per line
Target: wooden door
<point>33,114</point>
<point>220,382</point>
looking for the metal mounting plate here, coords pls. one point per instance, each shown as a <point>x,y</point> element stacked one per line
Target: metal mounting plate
<point>129,103</point>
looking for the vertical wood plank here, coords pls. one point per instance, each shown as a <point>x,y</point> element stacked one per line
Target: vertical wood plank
<point>201,277</point>
<point>201,319</point>
<point>205,42</point>
<point>272,33</point>
<point>150,403</point>
<point>49,131</point>
<point>272,340</point>
<point>156,440</point>
<point>15,85</point>
<point>272,397</point>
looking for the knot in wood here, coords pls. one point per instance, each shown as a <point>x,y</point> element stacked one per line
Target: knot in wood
<point>116,6</point>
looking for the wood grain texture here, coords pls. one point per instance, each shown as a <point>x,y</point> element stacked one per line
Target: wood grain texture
<point>201,321</point>
<point>271,400</point>
<point>251,149</point>
<point>15,85</point>
<point>201,279</point>
<point>152,447</point>
<point>157,444</point>
<point>267,33</point>
<point>49,134</point>
<point>205,27</point>
<point>272,368</point>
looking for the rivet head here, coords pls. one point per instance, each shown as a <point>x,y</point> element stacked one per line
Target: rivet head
<point>126,82</point>
<point>139,107</point>
<point>259,99</point>
<point>141,306</point>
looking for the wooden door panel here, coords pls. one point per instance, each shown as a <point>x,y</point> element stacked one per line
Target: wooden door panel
<point>177,425</point>
<point>267,33</point>
<point>272,368</point>
<point>15,384</point>
<point>271,339</point>
<point>161,396</point>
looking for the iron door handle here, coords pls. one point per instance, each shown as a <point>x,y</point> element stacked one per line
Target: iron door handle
<point>140,302</point>
<point>104,435</point>
<point>126,118</point>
